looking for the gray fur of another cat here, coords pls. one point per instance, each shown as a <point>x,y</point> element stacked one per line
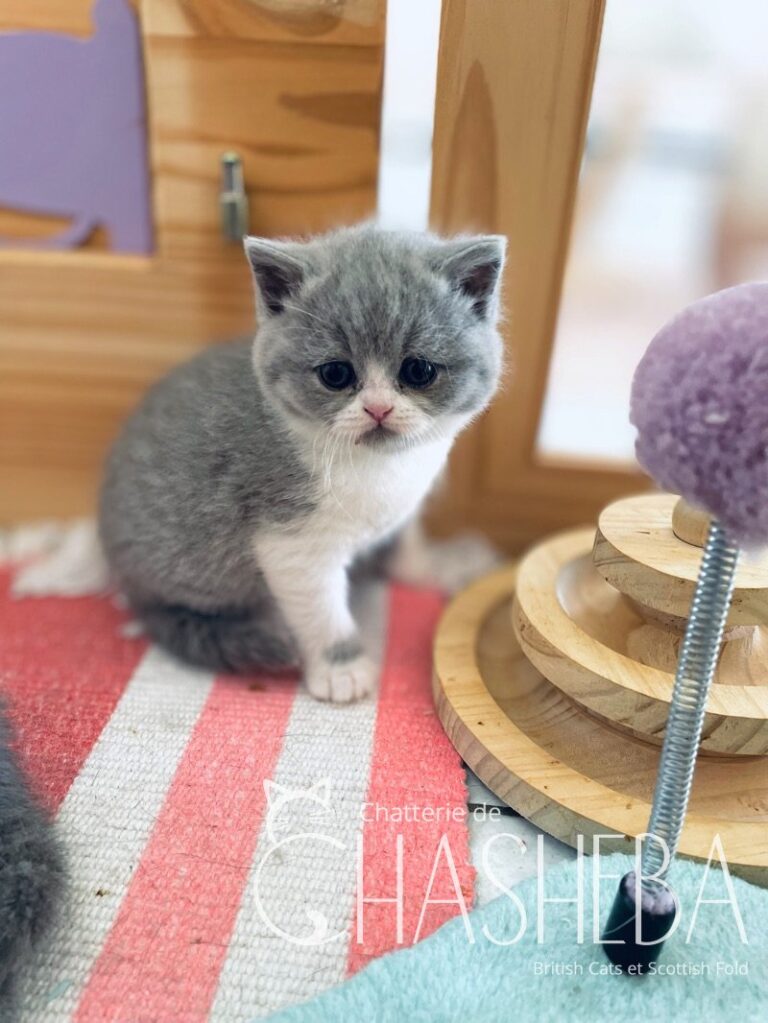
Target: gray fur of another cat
<point>32,874</point>
<point>243,488</point>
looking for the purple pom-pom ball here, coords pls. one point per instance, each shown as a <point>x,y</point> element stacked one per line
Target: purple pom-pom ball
<point>700,405</point>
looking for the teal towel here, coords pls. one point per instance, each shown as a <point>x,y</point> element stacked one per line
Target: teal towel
<point>447,979</point>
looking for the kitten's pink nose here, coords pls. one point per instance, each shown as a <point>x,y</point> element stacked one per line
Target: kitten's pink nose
<point>378,412</point>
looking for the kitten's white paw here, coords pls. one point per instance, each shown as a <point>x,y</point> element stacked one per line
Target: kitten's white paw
<point>342,683</point>
<point>450,565</point>
<point>458,562</point>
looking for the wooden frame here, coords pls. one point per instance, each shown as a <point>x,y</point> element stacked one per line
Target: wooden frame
<point>513,96</point>
<point>82,334</point>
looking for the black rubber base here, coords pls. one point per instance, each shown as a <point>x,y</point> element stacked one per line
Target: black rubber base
<point>657,915</point>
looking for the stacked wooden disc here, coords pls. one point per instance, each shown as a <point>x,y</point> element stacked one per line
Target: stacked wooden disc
<point>553,679</point>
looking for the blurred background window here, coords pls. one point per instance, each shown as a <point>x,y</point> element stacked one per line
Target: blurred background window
<point>672,203</point>
<point>673,195</point>
<point>410,79</point>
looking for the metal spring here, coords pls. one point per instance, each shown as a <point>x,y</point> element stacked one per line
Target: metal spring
<point>695,671</point>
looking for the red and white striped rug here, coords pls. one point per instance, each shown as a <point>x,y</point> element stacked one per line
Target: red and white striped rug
<point>198,892</point>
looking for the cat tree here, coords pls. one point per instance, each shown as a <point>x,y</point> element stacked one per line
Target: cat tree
<point>553,679</point>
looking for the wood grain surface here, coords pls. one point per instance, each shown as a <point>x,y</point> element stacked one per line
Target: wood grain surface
<point>561,767</point>
<point>637,552</point>
<point>513,96</point>
<point>689,523</point>
<point>590,642</point>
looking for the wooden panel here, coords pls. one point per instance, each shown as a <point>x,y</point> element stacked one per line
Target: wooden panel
<point>334,22</point>
<point>513,94</point>
<point>82,334</point>
<point>304,120</point>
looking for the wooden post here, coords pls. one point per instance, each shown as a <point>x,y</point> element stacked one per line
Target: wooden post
<point>513,96</point>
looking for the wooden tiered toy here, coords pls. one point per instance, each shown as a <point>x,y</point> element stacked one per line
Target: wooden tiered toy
<point>553,680</point>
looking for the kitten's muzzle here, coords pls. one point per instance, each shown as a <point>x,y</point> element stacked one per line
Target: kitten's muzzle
<point>378,434</point>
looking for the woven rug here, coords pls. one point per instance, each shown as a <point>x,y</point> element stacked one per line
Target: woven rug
<point>227,838</point>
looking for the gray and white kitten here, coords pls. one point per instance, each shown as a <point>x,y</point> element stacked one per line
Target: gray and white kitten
<point>249,479</point>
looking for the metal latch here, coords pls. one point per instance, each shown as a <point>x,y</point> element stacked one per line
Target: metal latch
<point>233,202</point>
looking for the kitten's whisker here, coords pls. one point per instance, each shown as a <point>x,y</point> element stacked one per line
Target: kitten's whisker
<point>350,452</point>
<point>338,439</point>
<point>305,312</point>
<point>314,453</point>
<point>328,456</point>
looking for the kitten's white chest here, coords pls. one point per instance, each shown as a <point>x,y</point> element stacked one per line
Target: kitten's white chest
<point>372,494</point>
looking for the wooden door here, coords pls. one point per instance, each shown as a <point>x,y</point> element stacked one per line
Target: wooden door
<point>295,89</point>
<point>513,95</point>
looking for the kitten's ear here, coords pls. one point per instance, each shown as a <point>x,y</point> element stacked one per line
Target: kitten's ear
<point>473,267</point>
<point>278,271</point>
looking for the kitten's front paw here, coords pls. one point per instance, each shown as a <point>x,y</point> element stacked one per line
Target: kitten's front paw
<point>342,683</point>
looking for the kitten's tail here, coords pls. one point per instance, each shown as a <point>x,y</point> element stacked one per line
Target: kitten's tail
<point>31,870</point>
<point>228,641</point>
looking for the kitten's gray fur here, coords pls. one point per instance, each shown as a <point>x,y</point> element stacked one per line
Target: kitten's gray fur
<point>31,871</point>
<point>226,446</point>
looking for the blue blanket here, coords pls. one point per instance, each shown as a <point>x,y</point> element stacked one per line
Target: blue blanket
<point>709,969</point>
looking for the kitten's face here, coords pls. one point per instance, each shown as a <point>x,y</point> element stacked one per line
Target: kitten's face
<point>381,340</point>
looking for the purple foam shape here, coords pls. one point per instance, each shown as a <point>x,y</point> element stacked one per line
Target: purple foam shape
<point>73,130</point>
<point>700,405</point>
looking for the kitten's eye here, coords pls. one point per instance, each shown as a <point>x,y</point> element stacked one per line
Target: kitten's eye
<point>337,375</point>
<point>417,373</point>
